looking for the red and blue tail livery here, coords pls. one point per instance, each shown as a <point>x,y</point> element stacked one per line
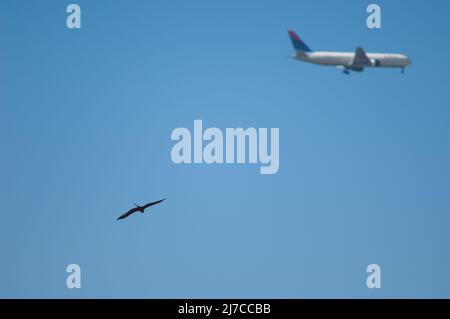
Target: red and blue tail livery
<point>298,44</point>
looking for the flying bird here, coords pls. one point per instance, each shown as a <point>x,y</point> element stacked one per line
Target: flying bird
<point>139,209</point>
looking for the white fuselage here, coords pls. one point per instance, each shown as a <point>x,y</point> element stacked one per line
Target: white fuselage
<point>345,59</point>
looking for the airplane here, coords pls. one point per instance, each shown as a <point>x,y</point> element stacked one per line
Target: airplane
<point>347,61</point>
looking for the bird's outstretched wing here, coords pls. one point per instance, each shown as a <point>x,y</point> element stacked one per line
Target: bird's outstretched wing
<point>128,213</point>
<point>153,203</point>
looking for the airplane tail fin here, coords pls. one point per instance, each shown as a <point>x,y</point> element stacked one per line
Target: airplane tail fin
<point>298,44</point>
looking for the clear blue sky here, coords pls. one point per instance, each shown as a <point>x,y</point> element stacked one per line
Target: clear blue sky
<point>85,123</point>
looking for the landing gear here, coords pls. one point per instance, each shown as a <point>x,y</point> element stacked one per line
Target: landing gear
<point>403,70</point>
<point>346,72</point>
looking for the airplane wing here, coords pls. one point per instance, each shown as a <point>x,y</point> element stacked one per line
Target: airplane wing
<point>128,213</point>
<point>360,59</point>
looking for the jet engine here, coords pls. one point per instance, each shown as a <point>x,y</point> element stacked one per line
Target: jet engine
<point>375,62</point>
